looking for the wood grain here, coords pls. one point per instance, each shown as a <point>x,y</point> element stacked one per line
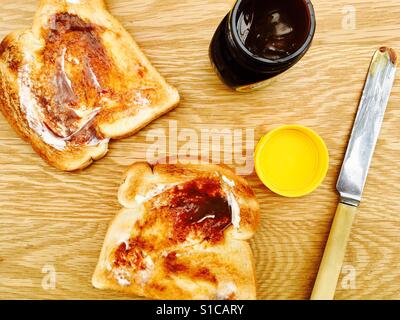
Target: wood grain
<point>48,217</point>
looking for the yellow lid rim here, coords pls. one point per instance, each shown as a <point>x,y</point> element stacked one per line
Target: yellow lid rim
<point>322,166</point>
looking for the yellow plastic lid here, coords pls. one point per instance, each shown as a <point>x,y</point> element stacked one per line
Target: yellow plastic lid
<point>292,161</point>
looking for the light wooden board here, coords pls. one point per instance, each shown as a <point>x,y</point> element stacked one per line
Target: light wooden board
<point>48,217</point>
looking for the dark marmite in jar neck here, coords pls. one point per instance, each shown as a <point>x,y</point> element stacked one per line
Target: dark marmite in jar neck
<point>273,29</point>
<point>260,39</point>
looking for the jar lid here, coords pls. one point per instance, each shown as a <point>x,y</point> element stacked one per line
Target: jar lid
<point>292,160</point>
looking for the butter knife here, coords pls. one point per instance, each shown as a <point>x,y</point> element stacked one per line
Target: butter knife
<point>355,168</point>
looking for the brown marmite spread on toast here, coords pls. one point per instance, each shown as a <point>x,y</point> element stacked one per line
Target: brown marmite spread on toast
<point>77,82</point>
<point>181,235</point>
<point>190,213</point>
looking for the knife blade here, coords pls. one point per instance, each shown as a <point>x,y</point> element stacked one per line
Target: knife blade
<point>367,126</point>
<point>355,168</point>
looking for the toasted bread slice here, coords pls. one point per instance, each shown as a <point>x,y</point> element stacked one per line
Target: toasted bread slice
<point>182,234</point>
<point>77,80</point>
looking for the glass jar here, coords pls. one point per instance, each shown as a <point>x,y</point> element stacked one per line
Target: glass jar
<point>260,39</point>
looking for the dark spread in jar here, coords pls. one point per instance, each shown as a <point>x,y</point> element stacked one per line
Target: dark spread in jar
<point>74,81</point>
<point>273,29</point>
<point>259,40</point>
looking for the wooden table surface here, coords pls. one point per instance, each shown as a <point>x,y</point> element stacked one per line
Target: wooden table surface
<point>55,220</point>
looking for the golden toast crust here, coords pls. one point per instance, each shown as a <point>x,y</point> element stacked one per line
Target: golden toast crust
<point>182,234</point>
<point>77,80</point>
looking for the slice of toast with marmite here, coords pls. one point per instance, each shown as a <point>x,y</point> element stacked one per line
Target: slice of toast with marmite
<point>76,80</point>
<point>182,234</point>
